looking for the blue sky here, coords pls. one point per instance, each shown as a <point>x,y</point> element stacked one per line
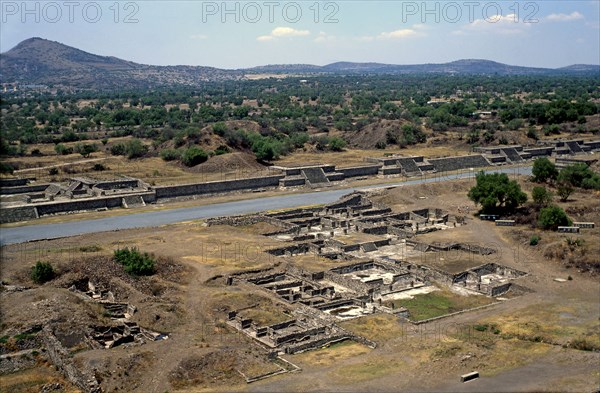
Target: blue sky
<point>235,34</point>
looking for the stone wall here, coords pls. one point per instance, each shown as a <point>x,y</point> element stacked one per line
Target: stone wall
<point>88,204</point>
<point>365,170</point>
<point>23,189</point>
<point>15,214</point>
<point>13,182</point>
<point>217,187</point>
<point>454,163</point>
<point>63,361</point>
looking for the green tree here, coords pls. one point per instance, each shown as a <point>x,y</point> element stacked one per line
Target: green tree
<point>135,148</point>
<point>495,192</point>
<point>564,189</point>
<point>552,217</point>
<point>42,272</point>
<point>86,149</point>
<point>337,144</point>
<point>580,175</point>
<point>170,154</point>
<point>62,149</point>
<point>544,170</point>
<point>193,156</point>
<point>541,196</point>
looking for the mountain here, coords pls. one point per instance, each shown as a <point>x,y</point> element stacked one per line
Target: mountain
<point>40,61</point>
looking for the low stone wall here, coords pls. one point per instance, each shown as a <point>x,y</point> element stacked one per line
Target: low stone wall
<point>217,187</point>
<point>88,204</point>
<point>23,189</point>
<point>365,170</point>
<point>13,182</point>
<point>63,361</point>
<point>454,163</point>
<point>15,214</point>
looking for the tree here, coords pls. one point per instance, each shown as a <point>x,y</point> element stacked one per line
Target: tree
<point>580,175</point>
<point>135,148</point>
<point>544,170</point>
<point>86,149</point>
<point>170,154</point>
<point>63,150</point>
<point>552,217</point>
<point>193,156</point>
<point>541,196</point>
<point>496,193</point>
<point>42,272</point>
<point>337,144</point>
<point>564,189</point>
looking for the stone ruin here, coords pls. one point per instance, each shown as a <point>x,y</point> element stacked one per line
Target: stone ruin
<point>124,331</point>
<point>373,270</point>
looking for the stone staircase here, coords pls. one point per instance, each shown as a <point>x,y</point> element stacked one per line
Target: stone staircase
<point>512,154</point>
<point>315,177</point>
<point>409,166</point>
<point>130,201</point>
<point>574,147</point>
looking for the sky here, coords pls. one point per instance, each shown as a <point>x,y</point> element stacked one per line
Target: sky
<point>239,34</point>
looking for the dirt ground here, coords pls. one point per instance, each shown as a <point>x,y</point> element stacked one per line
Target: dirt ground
<point>547,339</point>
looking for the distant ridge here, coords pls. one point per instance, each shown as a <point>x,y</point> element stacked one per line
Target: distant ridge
<point>40,61</point>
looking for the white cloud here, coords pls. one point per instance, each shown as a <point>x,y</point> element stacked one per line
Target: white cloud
<point>496,24</point>
<point>265,38</point>
<point>199,37</point>
<point>288,32</point>
<point>402,33</point>
<point>283,32</point>
<point>324,37</point>
<point>414,31</point>
<point>565,17</point>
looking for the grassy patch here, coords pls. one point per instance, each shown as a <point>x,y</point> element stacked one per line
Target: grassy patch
<point>439,303</point>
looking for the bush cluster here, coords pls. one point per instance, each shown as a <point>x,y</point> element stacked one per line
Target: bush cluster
<point>42,272</point>
<point>135,262</point>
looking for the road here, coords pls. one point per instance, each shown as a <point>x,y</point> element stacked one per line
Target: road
<point>164,217</point>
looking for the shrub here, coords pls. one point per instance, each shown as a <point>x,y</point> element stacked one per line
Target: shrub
<point>63,150</point>
<point>53,171</point>
<point>219,129</point>
<point>532,133</point>
<point>42,272</point>
<point>193,156</point>
<point>222,149</point>
<point>134,262</point>
<point>543,170</point>
<point>99,167</point>
<point>552,217</point>
<point>118,149</point>
<point>170,154</point>
<point>86,149</point>
<point>337,144</point>
<point>541,196</point>
<point>135,148</point>
<point>534,240</point>
<point>6,168</point>
<point>580,175</point>
<point>564,189</point>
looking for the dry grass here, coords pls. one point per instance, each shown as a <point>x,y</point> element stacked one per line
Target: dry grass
<point>331,355</point>
<point>377,327</point>
<point>32,380</point>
